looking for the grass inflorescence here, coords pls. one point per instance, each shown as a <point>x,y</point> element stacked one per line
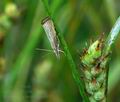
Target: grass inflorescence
<point>95,66</point>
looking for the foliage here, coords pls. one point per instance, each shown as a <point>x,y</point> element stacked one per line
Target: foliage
<point>29,75</point>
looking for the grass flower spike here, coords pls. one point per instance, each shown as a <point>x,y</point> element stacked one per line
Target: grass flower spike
<point>95,71</point>
<point>94,61</point>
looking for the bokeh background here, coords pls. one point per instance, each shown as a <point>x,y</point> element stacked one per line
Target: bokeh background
<point>37,76</point>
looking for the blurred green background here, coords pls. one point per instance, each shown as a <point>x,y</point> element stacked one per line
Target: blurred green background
<point>29,75</point>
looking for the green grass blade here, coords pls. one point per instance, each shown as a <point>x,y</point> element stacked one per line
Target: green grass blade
<point>28,49</point>
<point>112,36</point>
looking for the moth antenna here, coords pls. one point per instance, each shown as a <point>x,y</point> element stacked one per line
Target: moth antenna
<point>46,50</point>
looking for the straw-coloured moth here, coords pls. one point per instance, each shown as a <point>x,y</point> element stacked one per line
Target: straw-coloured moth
<point>51,33</point>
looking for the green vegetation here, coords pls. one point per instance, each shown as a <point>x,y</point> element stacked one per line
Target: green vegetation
<point>29,75</point>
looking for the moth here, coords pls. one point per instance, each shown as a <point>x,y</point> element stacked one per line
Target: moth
<point>51,33</point>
